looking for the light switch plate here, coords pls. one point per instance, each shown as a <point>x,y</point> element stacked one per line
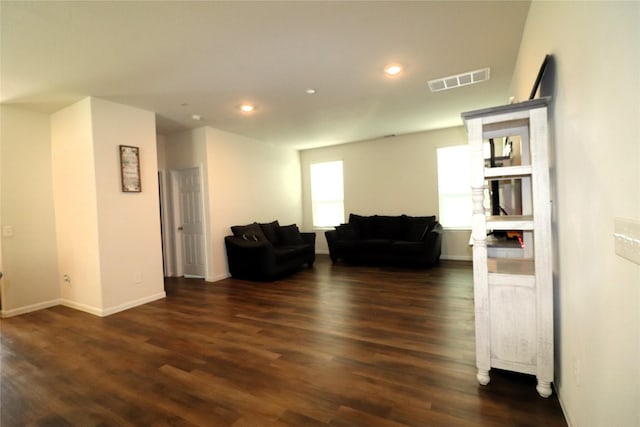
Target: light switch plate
<point>627,238</point>
<point>7,231</point>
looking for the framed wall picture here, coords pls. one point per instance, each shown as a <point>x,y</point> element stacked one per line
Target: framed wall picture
<point>130,169</point>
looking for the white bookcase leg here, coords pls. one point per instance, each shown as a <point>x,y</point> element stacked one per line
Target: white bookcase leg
<point>483,377</point>
<point>544,388</point>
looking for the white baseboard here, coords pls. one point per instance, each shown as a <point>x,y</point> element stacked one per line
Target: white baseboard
<point>102,312</point>
<point>456,257</point>
<point>30,308</point>
<point>217,277</point>
<point>131,304</point>
<point>81,307</point>
<point>567,418</point>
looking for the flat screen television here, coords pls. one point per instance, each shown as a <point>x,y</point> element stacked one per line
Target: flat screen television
<point>536,84</point>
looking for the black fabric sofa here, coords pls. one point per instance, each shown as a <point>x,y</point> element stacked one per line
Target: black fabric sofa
<point>268,251</point>
<point>398,240</point>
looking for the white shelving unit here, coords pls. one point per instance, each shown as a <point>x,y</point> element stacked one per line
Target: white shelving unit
<point>514,296</point>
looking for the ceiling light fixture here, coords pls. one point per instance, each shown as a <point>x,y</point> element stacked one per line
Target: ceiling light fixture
<point>247,108</point>
<point>393,70</point>
<point>310,91</point>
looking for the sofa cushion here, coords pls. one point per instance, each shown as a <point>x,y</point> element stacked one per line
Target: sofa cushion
<point>418,227</point>
<point>285,253</point>
<point>368,246</point>
<point>249,232</point>
<point>407,248</point>
<point>270,230</point>
<point>364,225</point>
<point>390,227</point>
<point>346,232</point>
<point>289,235</point>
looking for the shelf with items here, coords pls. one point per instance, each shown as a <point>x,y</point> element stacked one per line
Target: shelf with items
<point>513,287</point>
<point>511,266</point>
<point>510,222</point>
<point>507,172</point>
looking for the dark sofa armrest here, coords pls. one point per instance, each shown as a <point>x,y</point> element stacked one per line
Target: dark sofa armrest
<point>433,243</point>
<point>309,238</point>
<point>248,258</point>
<point>332,236</point>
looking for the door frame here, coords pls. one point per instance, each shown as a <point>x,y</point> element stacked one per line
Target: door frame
<point>166,224</point>
<point>174,263</point>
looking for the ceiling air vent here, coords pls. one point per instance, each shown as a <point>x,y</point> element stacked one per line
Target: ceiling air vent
<point>458,80</point>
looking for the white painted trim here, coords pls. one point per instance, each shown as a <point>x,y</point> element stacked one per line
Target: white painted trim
<point>81,307</point>
<point>111,310</point>
<point>30,308</point>
<point>166,218</point>
<point>176,219</point>
<point>217,277</point>
<point>563,407</point>
<point>134,303</point>
<point>175,223</point>
<point>456,257</point>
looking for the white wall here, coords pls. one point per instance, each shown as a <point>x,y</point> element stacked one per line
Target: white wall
<point>74,190</point>
<point>128,223</point>
<point>30,264</point>
<point>595,83</point>
<point>249,181</point>
<point>390,176</point>
<point>245,181</point>
<point>108,241</point>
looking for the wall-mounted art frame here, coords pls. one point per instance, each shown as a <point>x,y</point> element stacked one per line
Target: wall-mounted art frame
<point>130,169</point>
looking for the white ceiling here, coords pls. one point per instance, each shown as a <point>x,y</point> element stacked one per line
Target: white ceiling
<point>212,56</point>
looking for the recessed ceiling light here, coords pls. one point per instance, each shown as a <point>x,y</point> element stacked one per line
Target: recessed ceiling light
<point>310,91</point>
<point>196,117</point>
<point>247,107</point>
<point>392,70</point>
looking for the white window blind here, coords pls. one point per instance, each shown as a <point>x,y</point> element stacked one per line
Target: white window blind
<point>454,186</point>
<point>327,194</point>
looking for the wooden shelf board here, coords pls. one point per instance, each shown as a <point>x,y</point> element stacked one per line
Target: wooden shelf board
<point>510,222</point>
<point>501,110</point>
<point>513,266</point>
<point>508,172</point>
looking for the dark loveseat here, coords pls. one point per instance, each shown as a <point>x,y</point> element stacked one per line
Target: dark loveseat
<point>399,240</point>
<point>267,251</point>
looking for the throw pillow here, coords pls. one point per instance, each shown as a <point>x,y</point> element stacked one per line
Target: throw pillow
<point>289,235</point>
<point>416,230</point>
<point>419,226</point>
<point>271,231</point>
<point>364,225</point>
<point>249,232</point>
<point>346,232</point>
<point>390,227</point>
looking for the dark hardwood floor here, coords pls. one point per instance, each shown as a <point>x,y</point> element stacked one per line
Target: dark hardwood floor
<point>329,346</point>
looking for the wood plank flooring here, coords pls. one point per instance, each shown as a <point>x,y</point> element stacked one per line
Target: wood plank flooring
<point>335,345</point>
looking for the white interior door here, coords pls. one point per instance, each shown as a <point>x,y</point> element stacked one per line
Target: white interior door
<point>190,222</point>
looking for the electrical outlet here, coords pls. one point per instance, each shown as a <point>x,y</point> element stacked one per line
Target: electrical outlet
<point>627,239</point>
<point>137,277</point>
<point>7,231</point>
